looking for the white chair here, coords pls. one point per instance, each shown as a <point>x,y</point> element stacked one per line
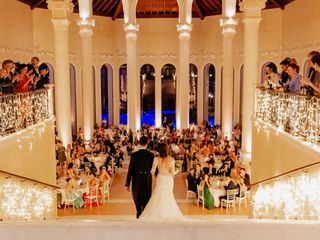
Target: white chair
<point>200,196</point>
<point>242,197</point>
<point>69,199</point>
<point>189,192</point>
<point>106,190</point>
<point>230,201</point>
<point>93,196</point>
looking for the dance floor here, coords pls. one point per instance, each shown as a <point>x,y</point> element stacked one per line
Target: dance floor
<point>120,206</point>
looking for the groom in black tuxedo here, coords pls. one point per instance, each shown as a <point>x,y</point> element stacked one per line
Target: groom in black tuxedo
<point>139,173</point>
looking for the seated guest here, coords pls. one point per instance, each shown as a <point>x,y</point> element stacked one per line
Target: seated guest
<point>211,170</point>
<point>71,185</point>
<point>245,177</point>
<point>199,173</point>
<point>192,181</point>
<point>208,198</point>
<point>210,159</point>
<point>232,184</point>
<point>70,171</point>
<point>294,84</point>
<point>223,170</point>
<point>93,169</point>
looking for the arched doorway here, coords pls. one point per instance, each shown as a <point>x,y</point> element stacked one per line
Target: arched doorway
<point>106,94</point>
<point>147,90</point>
<point>209,93</point>
<point>73,96</point>
<point>193,96</point>
<point>168,92</point>
<point>123,94</point>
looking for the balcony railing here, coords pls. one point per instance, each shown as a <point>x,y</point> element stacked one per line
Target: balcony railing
<point>21,110</point>
<point>293,113</point>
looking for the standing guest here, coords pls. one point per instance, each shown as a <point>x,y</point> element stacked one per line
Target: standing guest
<point>284,75</point>
<point>35,65</point>
<point>315,61</point>
<point>192,181</point>
<point>61,155</point>
<point>271,79</point>
<point>7,78</point>
<point>43,77</point>
<point>165,122</point>
<point>26,78</point>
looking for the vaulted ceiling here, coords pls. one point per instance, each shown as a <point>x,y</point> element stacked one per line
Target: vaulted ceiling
<point>156,8</point>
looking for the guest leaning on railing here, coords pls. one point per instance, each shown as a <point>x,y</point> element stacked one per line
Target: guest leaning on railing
<point>20,78</point>
<point>314,83</point>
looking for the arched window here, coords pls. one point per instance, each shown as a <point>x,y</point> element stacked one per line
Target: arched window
<point>123,94</point>
<point>147,90</point>
<point>106,94</point>
<point>193,93</point>
<point>168,93</point>
<point>209,93</point>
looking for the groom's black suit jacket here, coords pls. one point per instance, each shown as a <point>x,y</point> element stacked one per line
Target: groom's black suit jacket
<point>139,173</point>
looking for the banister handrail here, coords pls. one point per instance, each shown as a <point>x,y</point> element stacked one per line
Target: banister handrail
<point>286,173</point>
<point>28,179</point>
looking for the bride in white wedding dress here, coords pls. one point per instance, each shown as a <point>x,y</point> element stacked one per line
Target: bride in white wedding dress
<point>162,205</point>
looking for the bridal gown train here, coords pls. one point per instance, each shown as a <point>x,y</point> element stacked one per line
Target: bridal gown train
<point>162,205</point>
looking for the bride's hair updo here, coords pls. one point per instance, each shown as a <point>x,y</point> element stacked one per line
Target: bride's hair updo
<point>163,150</point>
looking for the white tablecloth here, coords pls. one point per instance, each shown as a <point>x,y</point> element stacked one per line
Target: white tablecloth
<point>216,193</point>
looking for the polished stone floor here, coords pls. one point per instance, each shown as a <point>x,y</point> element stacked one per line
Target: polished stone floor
<point>121,206</point>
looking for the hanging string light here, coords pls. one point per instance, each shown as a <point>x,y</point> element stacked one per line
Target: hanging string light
<point>22,110</point>
<point>293,113</point>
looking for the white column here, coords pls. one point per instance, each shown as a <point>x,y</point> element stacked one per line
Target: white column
<point>158,97</point>
<point>228,33</point>
<point>132,81</point>
<point>87,77</point>
<point>60,10</point>
<point>251,19</point>
<point>183,88</point>
<point>236,96</point>
<point>200,93</point>
<point>182,85</point>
